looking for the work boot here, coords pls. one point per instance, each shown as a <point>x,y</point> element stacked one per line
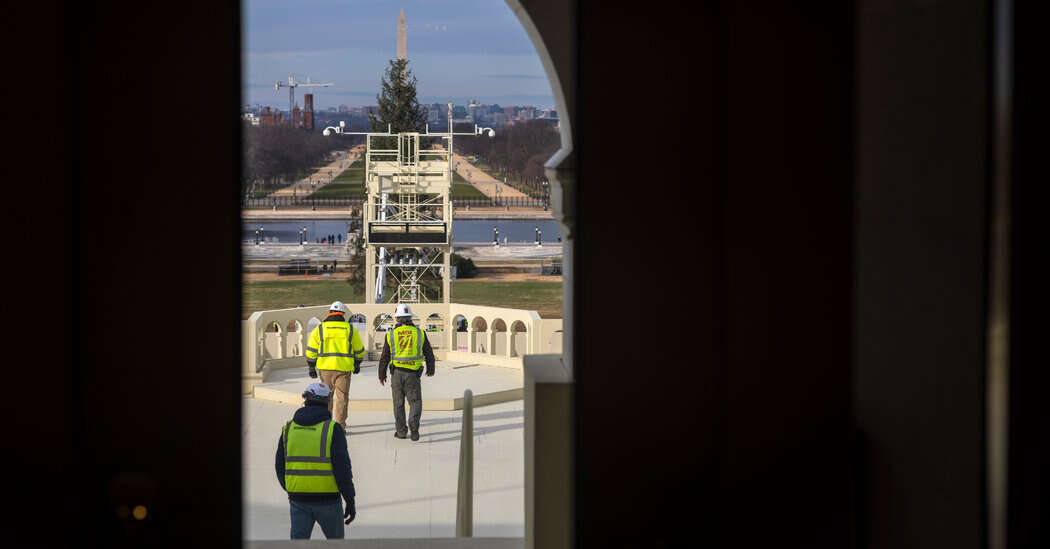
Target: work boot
<point>415,435</point>
<point>399,435</point>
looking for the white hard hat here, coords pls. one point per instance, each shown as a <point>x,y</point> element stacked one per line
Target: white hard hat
<point>403,310</point>
<point>318,392</point>
<point>338,306</point>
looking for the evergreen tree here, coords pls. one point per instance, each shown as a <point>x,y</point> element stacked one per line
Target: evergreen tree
<point>397,101</point>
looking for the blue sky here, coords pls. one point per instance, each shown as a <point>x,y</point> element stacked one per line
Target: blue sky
<point>457,49</point>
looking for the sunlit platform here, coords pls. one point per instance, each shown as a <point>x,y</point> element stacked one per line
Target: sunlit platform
<point>442,392</point>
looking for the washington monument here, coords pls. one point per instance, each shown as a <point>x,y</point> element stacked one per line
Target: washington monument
<point>402,38</point>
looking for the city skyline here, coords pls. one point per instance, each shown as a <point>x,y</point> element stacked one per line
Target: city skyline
<point>461,51</point>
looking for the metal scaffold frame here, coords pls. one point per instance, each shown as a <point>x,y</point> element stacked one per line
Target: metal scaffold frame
<point>407,214</point>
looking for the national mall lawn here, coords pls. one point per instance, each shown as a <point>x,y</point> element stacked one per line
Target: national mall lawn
<point>544,297</point>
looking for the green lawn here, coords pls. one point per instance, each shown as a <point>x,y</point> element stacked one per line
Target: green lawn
<point>339,190</point>
<point>466,190</point>
<point>353,174</point>
<point>542,297</point>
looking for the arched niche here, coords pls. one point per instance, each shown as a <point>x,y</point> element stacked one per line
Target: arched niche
<point>498,344</point>
<point>435,329</point>
<point>479,328</point>
<point>519,342</point>
<point>459,339</point>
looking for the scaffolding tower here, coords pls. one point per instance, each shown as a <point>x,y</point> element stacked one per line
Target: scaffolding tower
<point>407,214</point>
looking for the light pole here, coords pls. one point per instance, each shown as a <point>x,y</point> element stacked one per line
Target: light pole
<point>495,236</point>
<point>262,234</point>
<point>256,237</point>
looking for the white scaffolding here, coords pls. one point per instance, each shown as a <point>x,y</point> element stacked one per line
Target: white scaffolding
<point>407,215</point>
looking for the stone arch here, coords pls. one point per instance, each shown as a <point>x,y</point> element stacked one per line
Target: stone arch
<point>380,324</point>
<point>459,339</point>
<point>435,329</point>
<point>519,339</point>
<point>498,344</point>
<point>294,342</point>
<point>273,339</point>
<point>479,335</point>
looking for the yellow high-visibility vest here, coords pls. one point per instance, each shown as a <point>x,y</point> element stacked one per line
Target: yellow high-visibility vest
<point>335,344</point>
<point>308,458</point>
<point>406,347</point>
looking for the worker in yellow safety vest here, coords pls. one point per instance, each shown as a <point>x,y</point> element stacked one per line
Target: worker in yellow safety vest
<point>313,466</point>
<point>334,351</point>
<point>405,349</point>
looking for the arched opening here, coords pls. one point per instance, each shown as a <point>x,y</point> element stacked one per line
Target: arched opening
<point>471,334</point>
<point>294,340</point>
<point>519,342</point>
<point>435,329</point>
<point>272,336</point>
<point>479,335</point>
<point>383,322</point>
<point>380,326</point>
<point>459,338</point>
<point>498,338</point>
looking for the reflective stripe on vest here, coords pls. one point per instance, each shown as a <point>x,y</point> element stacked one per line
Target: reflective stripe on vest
<point>404,352</point>
<point>307,458</point>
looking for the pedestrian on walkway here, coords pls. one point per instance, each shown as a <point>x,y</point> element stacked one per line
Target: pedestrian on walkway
<point>313,466</point>
<point>334,351</point>
<point>404,349</point>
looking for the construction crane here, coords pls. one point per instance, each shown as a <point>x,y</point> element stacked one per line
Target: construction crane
<point>291,85</point>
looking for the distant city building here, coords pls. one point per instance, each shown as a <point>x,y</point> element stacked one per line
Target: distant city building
<point>344,109</point>
<point>250,118</point>
<point>269,117</point>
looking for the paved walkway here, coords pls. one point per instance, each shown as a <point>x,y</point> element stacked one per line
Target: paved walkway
<point>492,187</point>
<point>404,489</point>
<point>322,176</point>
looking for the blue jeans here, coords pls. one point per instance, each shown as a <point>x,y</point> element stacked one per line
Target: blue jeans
<point>328,515</point>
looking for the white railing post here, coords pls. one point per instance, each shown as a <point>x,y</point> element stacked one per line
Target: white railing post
<point>465,491</point>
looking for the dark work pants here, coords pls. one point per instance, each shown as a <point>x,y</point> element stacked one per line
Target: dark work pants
<point>405,385</point>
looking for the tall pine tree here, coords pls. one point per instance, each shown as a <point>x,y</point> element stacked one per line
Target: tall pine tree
<point>398,105</point>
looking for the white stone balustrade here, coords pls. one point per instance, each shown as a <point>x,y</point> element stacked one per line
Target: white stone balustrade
<point>496,336</point>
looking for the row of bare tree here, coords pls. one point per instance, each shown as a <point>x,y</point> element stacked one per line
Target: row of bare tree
<point>276,155</point>
<point>517,152</point>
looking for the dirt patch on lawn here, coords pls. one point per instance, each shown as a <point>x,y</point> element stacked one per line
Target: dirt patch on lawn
<point>264,276</point>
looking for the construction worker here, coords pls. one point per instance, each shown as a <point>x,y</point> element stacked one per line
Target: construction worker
<point>334,351</point>
<point>405,347</point>
<point>313,466</point>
